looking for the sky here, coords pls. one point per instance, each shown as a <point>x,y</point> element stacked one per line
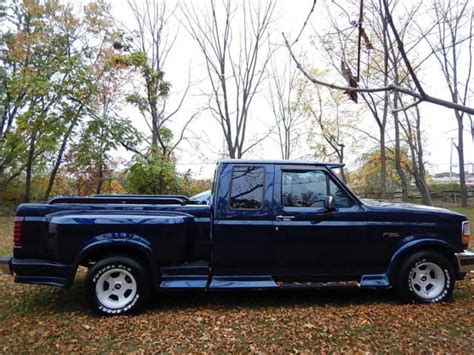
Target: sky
<point>185,60</point>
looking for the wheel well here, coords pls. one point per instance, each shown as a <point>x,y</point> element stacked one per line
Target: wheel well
<point>97,254</point>
<point>448,254</point>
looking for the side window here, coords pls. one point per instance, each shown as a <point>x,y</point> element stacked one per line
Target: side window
<point>304,188</point>
<point>309,189</point>
<point>246,189</point>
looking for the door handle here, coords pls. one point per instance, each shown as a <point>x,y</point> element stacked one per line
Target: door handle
<point>284,218</point>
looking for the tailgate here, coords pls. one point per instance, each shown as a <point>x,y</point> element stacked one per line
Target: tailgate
<point>30,237</point>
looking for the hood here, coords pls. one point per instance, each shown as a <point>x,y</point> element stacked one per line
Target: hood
<point>376,205</point>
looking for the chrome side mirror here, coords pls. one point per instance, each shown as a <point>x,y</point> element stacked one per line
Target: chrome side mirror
<point>329,203</point>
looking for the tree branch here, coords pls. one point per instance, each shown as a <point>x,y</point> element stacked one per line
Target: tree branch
<point>390,87</point>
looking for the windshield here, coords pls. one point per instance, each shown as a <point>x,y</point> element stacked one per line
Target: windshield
<point>202,196</point>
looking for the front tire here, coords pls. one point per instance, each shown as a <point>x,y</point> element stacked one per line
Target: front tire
<point>425,277</point>
<point>117,285</point>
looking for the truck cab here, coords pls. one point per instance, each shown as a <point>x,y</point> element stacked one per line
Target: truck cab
<point>279,218</point>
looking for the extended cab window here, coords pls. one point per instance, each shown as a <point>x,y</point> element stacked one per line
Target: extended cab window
<point>309,189</point>
<point>246,191</point>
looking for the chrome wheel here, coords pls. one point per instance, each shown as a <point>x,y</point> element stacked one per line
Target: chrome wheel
<point>427,280</point>
<point>116,288</point>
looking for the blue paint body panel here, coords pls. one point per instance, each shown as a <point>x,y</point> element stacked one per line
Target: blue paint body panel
<point>188,245</point>
<point>184,281</point>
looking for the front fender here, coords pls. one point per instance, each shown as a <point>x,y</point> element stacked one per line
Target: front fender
<point>415,245</point>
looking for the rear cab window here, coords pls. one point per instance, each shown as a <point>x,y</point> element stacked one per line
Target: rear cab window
<point>247,188</point>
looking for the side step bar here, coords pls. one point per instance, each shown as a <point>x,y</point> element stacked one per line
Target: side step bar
<point>375,280</point>
<point>263,282</point>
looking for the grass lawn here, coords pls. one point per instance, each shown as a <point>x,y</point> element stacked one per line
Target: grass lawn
<point>46,319</point>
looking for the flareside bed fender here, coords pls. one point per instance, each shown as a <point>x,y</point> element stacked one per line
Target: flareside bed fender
<point>128,243</point>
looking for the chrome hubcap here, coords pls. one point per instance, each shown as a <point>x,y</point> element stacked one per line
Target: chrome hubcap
<point>427,280</point>
<point>116,288</point>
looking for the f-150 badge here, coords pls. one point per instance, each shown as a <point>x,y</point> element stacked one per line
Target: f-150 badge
<point>391,234</point>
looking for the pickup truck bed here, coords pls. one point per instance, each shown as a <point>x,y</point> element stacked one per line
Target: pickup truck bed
<point>58,237</point>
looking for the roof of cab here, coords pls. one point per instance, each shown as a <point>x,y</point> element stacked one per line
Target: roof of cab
<point>281,162</point>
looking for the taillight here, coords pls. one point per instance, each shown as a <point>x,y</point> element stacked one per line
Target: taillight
<point>466,232</point>
<point>17,231</point>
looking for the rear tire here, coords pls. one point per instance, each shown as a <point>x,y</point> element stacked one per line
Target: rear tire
<point>117,285</point>
<point>425,277</point>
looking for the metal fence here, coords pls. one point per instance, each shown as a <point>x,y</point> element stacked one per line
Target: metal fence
<point>447,196</point>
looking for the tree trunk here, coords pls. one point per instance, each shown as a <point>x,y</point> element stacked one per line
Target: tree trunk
<point>472,131</point>
<point>29,167</point>
<point>287,144</point>
<point>425,194</point>
<point>101,180</point>
<point>239,152</point>
<point>398,163</point>
<point>341,160</point>
<point>383,165</point>
<point>462,172</point>
<point>59,158</point>
<point>154,132</point>
<point>423,189</point>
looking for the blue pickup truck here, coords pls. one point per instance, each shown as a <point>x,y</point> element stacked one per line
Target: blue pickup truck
<point>269,224</point>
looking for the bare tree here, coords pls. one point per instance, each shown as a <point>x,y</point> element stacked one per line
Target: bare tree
<point>408,132</point>
<point>381,118</point>
<point>419,93</point>
<point>329,116</point>
<point>406,72</point>
<point>340,45</point>
<point>412,135</point>
<point>235,74</point>
<point>286,90</point>
<point>391,70</point>
<point>452,49</point>
<point>394,60</point>
<point>154,38</point>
